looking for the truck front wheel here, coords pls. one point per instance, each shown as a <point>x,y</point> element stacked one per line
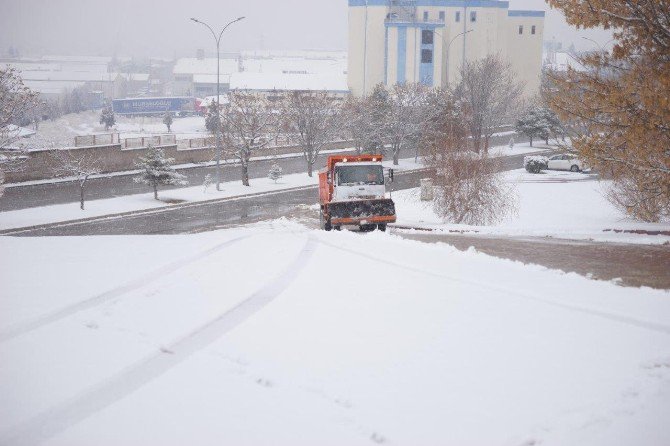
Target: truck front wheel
<point>324,222</point>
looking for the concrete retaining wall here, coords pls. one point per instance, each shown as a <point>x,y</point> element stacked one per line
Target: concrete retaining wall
<point>115,159</point>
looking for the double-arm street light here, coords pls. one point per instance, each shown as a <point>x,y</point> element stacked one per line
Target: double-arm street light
<point>219,149</point>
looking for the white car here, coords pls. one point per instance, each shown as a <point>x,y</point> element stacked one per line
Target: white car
<point>565,161</point>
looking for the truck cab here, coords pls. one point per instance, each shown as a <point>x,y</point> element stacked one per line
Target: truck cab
<point>352,192</point>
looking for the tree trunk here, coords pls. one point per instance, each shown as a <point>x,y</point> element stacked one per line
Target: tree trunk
<point>477,143</point>
<point>396,155</point>
<point>531,141</point>
<point>155,191</point>
<point>310,166</point>
<point>546,140</point>
<point>81,197</point>
<point>245,173</point>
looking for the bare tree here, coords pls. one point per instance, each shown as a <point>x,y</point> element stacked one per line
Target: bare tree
<point>471,189</point>
<point>364,120</point>
<point>489,90</point>
<point>315,118</point>
<point>250,123</point>
<point>444,131</point>
<point>407,112</point>
<point>16,102</point>
<point>77,163</point>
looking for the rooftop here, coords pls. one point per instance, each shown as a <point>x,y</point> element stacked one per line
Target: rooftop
<point>336,83</point>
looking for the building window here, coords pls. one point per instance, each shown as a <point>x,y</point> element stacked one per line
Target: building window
<point>425,16</point>
<point>458,16</point>
<point>441,16</point>
<point>426,56</point>
<point>520,29</point>
<point>532,29</point>
<point>473,16</point>
<point>426,37</point>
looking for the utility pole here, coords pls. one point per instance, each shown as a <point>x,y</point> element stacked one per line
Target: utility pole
<point>219,147</point>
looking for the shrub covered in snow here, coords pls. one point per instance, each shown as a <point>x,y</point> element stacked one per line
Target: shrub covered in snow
<point>535,163</point>
<point>275,172</point>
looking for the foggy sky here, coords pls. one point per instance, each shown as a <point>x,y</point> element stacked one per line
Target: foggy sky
<point>144,28</point>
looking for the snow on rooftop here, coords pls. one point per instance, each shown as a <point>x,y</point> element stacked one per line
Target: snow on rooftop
<point>290,65</point>
<point>305,54</point>
<point>52,87</point>
<point>79,59</point>
<point>192,65</point>
<point>210,78</point>
<point>136,77</point>
<point>19,132</point>
<point>289,82</point>
<point>77,76</point>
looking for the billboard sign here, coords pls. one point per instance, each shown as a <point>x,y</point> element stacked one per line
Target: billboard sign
<point>140,106</point>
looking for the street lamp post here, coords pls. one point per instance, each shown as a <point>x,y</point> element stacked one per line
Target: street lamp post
<point>219,149</point>
<point>463,33</point>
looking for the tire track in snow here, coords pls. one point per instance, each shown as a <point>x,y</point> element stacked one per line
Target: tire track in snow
<point>61,417</point>
<point>660,328</point>
<point>91,302</point>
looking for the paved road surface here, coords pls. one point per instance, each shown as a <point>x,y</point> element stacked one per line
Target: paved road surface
<point>68,192</point>
<point>635,265</point>
<point>208,216</point>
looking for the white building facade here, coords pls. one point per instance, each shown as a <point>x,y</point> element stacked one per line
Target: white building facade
<point>428,41</point>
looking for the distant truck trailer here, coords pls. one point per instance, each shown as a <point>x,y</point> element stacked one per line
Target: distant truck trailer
<point>154,106</point>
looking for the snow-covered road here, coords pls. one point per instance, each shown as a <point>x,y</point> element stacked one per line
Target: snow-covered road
<point>277,334</point>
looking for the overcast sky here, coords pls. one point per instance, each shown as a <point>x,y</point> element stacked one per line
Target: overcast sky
<point>150,28</point>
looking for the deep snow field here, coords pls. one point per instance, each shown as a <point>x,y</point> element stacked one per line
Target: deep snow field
<point>556,204</point>
<point>275,334</point>
<point>61,131</point>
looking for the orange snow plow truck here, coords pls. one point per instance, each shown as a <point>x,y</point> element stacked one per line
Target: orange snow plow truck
<point>352,192</point>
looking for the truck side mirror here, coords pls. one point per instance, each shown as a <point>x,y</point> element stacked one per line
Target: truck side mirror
<point>328,178</point>
<point>391,175</point>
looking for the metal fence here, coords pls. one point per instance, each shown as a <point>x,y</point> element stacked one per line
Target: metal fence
<point>104,139</point>
<point>145,141</point>
<point>196,143</point>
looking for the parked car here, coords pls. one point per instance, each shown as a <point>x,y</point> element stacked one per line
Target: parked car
<point>565,161</point>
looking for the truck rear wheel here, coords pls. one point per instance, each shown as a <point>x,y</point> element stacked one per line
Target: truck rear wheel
<point>381,227</point>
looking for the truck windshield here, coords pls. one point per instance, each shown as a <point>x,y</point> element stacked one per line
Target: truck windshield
<point>352,174</point>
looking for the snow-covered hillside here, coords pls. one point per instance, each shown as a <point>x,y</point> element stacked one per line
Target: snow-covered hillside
<point>275,334</point>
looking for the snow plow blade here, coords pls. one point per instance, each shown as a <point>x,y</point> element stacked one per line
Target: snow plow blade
<point>359,211</point>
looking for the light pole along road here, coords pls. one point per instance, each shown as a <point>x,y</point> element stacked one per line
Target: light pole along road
<point>217,39</point>
<point>446,68</point>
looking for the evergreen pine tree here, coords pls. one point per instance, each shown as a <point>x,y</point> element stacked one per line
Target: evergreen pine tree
<point>107,118</point>
<point>167,120</point>
<point>212,119</point>
<point>158,170</point>
<point>275,172</point>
